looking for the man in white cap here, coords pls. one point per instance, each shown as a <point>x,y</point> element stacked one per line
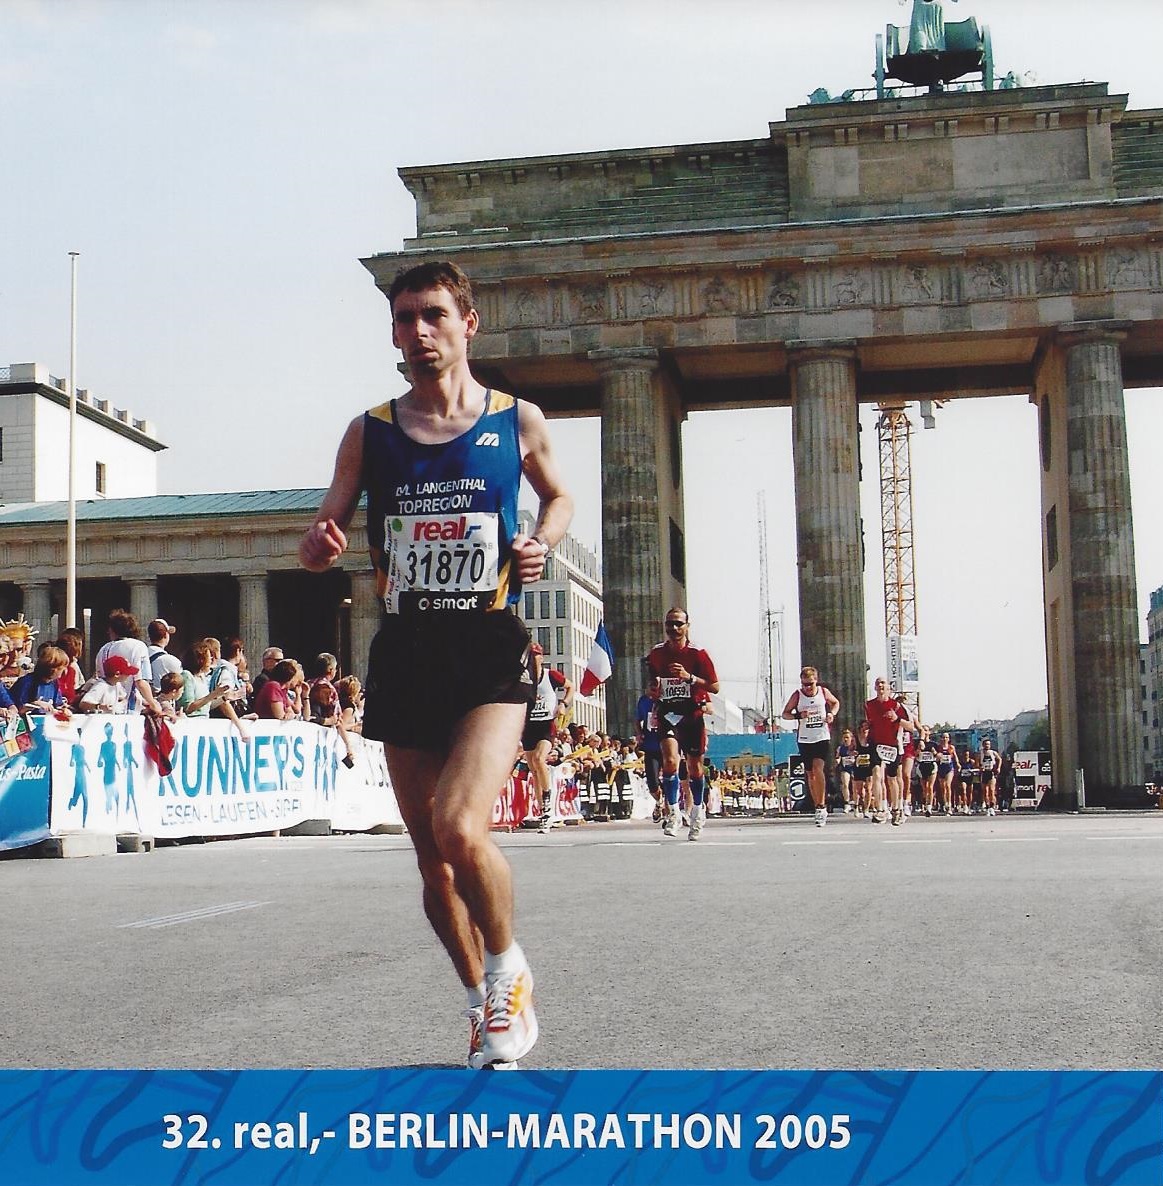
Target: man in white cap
<point>160,660</point>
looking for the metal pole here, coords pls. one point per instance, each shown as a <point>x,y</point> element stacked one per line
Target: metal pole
<point>71,548</point>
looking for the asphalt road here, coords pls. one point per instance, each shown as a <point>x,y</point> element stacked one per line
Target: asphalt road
<point>1013,942</point>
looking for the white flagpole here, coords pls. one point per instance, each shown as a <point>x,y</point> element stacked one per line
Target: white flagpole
<point>71,552</point>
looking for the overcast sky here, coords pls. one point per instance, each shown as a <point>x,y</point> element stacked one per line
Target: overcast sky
<point>221,168</point>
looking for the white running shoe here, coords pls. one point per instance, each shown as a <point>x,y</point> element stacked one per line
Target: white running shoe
<point>897,816</point>
<point>698,816</point>
<point>509,1023</point>
<point>475,1061</point>
<point>847,808</point>
<point>670,822</point>
<point>821,816</point>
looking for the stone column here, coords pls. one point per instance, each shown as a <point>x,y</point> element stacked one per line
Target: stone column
<point>826,447</point>
<point>1102,569</point>
<point>143,602</point>
<point>254,623</point>
<point>37,610</point>
<point>365,619</point>
<point>632,573</point>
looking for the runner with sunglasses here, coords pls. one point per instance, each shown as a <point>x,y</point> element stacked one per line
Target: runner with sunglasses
<point>682,679</point>
<point>815,708</point>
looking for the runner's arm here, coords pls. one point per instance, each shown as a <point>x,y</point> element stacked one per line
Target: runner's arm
<point>555,505</point>
<point>789,713</point>
<point>831,704</point>
<point>326,539</point>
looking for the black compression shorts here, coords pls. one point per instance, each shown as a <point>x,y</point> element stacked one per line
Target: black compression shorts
<point>426,672</point>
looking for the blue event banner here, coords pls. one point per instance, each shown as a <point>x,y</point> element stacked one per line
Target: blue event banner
<point>401,1126</point>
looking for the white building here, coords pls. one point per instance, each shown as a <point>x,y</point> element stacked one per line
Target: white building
<point>562,611</point>
<point>116,454</point>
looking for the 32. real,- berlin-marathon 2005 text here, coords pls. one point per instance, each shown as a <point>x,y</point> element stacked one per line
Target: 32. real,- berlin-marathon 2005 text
<point>516,1130</point>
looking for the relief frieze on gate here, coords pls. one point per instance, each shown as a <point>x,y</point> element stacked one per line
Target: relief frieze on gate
<point>627,297</point>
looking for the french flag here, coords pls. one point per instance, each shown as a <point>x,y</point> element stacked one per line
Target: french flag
<point>601,664</point>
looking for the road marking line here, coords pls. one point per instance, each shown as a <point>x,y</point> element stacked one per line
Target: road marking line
<point>1127,836</point>
<point>934,841</point>
<point>786,842</point>
<point>1017,839</point>
<point>173,920</point>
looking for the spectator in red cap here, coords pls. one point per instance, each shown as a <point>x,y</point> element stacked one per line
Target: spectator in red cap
<point>125,643</point>
<point>109,692</point>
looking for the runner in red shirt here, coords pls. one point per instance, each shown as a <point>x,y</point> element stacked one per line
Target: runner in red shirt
<point>682,679</point>
<point>885,715</point>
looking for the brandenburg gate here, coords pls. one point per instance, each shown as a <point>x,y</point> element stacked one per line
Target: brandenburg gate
<point>933,247</point>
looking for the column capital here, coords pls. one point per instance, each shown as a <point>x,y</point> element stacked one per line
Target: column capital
<point>1078,333</point>
<point>801,350</point>
<point>608,359</point>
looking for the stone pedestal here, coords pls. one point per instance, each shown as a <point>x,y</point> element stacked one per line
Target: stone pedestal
<point>254,625</point>
<point>365,620</point>
<point>37,609</point>
<point>143,602</point>
<point>632,547</point>
<point>1092,629</point>
<point>827,483</point>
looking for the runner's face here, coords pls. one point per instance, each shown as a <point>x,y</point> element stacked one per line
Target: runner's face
<point>430,332</point>
<point>676,630</point>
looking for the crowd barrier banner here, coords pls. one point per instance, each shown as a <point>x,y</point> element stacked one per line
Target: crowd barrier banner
<point>223,782</point>
<point>25,761</point>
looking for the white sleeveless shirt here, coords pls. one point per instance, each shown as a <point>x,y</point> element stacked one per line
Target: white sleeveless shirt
<point>813,717</point>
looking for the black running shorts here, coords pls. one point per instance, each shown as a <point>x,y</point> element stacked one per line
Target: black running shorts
<point>535,733</point>
<point>425,672</point>
<point>810,751</point>
<point>690,732</point>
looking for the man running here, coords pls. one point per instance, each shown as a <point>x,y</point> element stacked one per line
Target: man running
<point>648,741</point>
<point>989,761</point>
<point>885,715</point>
<point>448,676</point>
<point>682,681</point>
<point>815,708</point>
<point>551,690</point>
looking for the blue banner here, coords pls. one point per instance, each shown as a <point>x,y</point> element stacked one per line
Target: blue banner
<point>25,787</point>
<point>794,1128</point>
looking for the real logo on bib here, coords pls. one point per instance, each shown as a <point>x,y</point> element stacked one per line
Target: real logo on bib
<point>489,438</point>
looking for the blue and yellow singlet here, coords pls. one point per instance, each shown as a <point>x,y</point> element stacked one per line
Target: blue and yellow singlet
<point>441,518</point>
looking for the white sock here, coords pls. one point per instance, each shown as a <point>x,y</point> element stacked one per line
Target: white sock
<point>512,960</point>
<point>476,995</point>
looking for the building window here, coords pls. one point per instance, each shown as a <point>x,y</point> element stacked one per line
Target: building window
<point>543,637</point>
<point>559,649</point>
<point>544,603</point>
<point>1051,538</point>
<point>559,603</point>
<point>100,477</point>
<point>530,606</point>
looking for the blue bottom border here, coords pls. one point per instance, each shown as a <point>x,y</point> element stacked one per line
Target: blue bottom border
<point>400,1126</point>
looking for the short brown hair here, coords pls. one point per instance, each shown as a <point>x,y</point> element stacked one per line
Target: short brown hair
<point>124,624</point>
<point>171,682</point>
<point>437,274</point>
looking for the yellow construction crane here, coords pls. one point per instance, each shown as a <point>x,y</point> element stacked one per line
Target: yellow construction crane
<point>894,432</point>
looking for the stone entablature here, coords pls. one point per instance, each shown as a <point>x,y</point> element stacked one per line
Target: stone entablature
<point>966,150</point>
<point>152,548</point>
<point>953,152</point>
<point>911,292</point>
